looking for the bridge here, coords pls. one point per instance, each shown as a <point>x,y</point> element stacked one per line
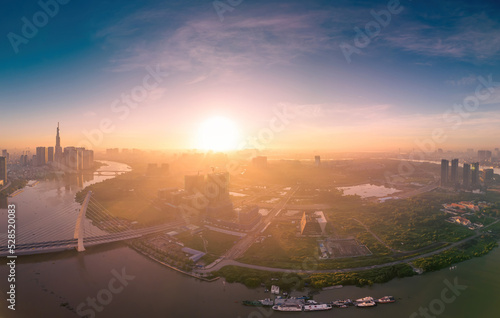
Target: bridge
<point>44,236</point>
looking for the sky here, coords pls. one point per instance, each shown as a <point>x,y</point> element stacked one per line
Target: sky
<point>330,75</point>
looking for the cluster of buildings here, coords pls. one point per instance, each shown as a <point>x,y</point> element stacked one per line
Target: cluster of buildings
<point>470,174</point>
<point>464,207</point>
<point>209,196</point>
<point>71,158</point>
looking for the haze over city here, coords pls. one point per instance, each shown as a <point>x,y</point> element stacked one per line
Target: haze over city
<point>249,158</point>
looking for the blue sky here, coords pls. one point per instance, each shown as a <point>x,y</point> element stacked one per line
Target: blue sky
<point>260,57</point>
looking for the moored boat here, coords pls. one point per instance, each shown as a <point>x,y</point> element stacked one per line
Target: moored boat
<point>287,307</point>
<point>317,307</point>
<point>365,304</point>
<point>365,299</point>
<point>268,302</point>
<point>342,303</point>
<point>385,300</point>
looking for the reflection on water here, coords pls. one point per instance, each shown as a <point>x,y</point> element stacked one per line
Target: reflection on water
<point>368,190</point>
<point>48,211</point>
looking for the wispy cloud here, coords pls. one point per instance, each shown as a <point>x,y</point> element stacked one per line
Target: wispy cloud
<point>473,37</point>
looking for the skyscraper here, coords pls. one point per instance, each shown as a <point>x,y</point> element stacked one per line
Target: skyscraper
<point>444,172</point>
<point>5,154</point>
<point>454,172</point>
<point>3,169</point>
<point>50,154</point>
<point>41,156</point>
<point>466,175</point>
<point>58,149</point>
<point>475,173</point>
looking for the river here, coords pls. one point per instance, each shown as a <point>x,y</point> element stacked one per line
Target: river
<point>45,282</point>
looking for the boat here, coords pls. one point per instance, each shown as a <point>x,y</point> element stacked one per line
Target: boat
<point>365,304</point>
<point>288,307</point>
<point>255,303</point>
<point>365,299</point>
<point>385,300</point>
<point>268,302</point>
<point>317,307</point>
<point>342,303</point>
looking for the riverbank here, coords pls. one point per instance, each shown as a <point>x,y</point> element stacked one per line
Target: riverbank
<point>141,251</point>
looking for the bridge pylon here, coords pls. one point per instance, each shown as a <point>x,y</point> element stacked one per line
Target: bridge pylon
<point>80,223</point>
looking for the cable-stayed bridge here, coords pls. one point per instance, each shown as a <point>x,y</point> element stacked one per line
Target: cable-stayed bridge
<point>67,229</point>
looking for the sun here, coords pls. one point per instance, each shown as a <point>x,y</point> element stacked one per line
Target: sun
<point>218,134</point>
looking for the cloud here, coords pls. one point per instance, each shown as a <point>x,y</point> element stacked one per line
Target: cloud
<point>466,37</point>
<point>201,44</point>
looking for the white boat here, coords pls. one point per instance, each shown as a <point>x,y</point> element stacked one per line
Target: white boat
<point>288,307</point>
<point>317,307</point>
<point>365,299</point>
<point>267,302</point>
<point>366,304</point>
<point>275,289</point>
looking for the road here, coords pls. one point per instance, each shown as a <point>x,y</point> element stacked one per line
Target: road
<point>243,244</point>
<point>228,262</point>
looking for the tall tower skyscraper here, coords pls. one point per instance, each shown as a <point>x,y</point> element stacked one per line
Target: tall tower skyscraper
<point>466,175</point>
<point>475,174</point>
<point>445,164</point>
<point>454,172</point>
<point>58,149</point>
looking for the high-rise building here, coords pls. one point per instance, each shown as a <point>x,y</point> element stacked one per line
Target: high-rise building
<point>79,152</point>
<point>475,173</point>
<point>58,149</point>
<point>444,172</point>
<point>50,154</point>
<point>5,154</point>
<point>88,159</point>
<point>3,169</point>
<point>41,156</point>
<point>466,182</point>
<point>454,172</point>
<point>71,158</point>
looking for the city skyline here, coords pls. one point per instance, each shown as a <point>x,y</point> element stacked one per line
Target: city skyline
<point>396,89</point>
